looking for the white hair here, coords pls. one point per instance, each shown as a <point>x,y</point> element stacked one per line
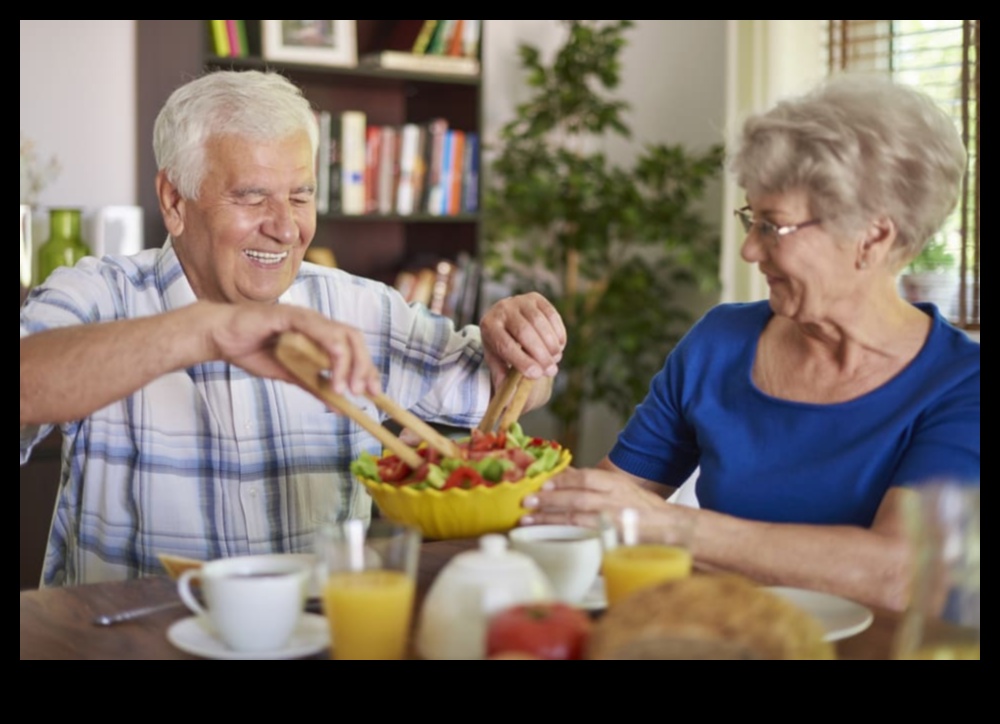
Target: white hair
<point>257,105</point>
<point>861,147</point>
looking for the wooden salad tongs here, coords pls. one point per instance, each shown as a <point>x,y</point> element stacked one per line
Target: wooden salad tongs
<point>310,365</point>
<point>510,400</point>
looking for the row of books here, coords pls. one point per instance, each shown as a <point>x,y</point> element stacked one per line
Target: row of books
<point>447,287</point>
<point>434,46</point>
<point>229,38</point>
<point>383,169</point>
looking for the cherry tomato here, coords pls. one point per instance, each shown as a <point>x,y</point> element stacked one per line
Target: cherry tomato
<point>465,478</point>
<point>486,441</point>
<point>393,470</point>
<point>547,630</point>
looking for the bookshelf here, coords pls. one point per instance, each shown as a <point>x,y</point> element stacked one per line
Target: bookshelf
<point>374,245</point>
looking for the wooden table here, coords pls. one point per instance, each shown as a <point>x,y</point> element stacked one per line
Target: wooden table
<point>57,623</point>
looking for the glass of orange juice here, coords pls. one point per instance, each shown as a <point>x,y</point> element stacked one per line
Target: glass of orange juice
<point>368,572</point>
<point>643,550</point>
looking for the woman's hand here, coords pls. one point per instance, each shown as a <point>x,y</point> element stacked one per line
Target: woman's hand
<point>578,496</point>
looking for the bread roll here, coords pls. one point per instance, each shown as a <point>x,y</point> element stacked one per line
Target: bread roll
<point>715,617</point>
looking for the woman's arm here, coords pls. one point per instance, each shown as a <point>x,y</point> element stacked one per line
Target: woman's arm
<point>869,566</point>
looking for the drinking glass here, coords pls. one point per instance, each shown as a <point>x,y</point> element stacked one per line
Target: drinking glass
<point>942,620</point>
<point>368,574</point>
<point>642,549</point>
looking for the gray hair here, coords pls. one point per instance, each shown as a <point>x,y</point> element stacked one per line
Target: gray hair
<point>262,106</point>
<point>861,147</point>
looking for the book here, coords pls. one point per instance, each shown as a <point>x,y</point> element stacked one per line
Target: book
<point>443,188</point>
<point>470,174</point>
<point>406,280</point>
<point>353,127</point>
<point>244,37</point>
<point>424,37</point>
<point>471,31</point>
<point>454,205</point>
<point>220,38</point>
<point>444,64</point>
<point>439,43</point>
<point>466,313</point>
<point>437,129</point>
<point>387,171</point>
<point>373,158</point>
<point>420,169</point>
<point>335,183</point>
<point>443,275</point>
<point>409,149</point>
<point>233,37</point>
<point>454,47</point>
<point>325,121</point>
<point>423,287</point>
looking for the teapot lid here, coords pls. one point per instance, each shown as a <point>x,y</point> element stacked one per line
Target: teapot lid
<point>493,557</point>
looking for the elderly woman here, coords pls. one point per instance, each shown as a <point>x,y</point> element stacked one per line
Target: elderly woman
<point>810,414</point>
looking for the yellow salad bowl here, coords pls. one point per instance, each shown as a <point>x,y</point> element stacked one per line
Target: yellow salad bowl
<point>459,513</point>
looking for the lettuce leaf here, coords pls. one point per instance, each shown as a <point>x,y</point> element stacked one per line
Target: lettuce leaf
<point>545,462</point>
<point>366,466</point>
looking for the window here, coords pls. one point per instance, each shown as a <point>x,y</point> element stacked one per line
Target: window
<point>942,58</point>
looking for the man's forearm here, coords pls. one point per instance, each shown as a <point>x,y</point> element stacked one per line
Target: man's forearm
<point>69,373</point>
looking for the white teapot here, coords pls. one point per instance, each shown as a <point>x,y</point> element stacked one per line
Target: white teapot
<point>470,589</point>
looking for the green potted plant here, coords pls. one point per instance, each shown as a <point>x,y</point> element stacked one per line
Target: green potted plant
<point>617,248</point>
<point>932,277</point>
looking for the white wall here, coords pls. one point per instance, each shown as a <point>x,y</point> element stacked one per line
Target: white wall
<point>674,77</point>
<point>78,102</point>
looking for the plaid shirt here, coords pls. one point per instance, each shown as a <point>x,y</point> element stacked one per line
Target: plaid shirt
<point>210,461</point>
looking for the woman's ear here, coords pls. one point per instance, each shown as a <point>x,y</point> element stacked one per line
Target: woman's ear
<point>877,243</point>
<point>171,204</point>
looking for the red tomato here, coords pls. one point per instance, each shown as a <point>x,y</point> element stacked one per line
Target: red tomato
<point>393,470</point>
<point>464,478</point>
<point>548,630</point>
<point>486,441</point>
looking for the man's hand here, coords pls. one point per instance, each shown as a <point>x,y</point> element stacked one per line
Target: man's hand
<point>247,339</point>
<point>524,332</point>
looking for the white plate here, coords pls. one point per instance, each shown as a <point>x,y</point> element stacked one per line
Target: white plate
<point>841,618</point>
<point>596,599</point>
<point>192,636</point>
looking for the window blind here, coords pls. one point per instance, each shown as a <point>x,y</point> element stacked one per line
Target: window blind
<point>942,58</point>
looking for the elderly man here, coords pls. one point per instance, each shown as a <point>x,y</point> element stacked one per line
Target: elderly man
<point>182,432</point>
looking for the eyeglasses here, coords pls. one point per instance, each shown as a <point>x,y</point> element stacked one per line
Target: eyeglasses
<point>765,229</point>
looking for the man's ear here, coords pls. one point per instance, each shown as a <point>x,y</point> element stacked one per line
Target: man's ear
<point>171,205</point>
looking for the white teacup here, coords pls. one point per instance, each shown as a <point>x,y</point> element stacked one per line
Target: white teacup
<point>569,555</point>
<point>252,603</point>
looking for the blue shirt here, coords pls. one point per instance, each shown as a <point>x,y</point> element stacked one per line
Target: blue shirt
<point>210,461</point>
<point>768,459</point>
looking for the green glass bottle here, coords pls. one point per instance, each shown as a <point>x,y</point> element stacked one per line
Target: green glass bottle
<point>65,246</point>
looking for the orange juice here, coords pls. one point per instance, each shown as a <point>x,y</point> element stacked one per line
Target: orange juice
<point>628,568</point>
<point>369,614</point>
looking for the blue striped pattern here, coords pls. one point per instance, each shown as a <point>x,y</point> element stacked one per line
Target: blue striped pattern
<point>210,461</point>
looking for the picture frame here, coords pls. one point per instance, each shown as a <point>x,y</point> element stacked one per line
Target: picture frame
<point>314,42</point>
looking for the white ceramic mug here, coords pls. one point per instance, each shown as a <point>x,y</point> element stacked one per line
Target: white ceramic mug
<point>252,603</point>
<point>569,555</point>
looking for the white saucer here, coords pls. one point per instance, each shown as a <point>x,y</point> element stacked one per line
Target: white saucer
<point>192,636</point>
<point>841,618</point>
<point>595,599</point>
